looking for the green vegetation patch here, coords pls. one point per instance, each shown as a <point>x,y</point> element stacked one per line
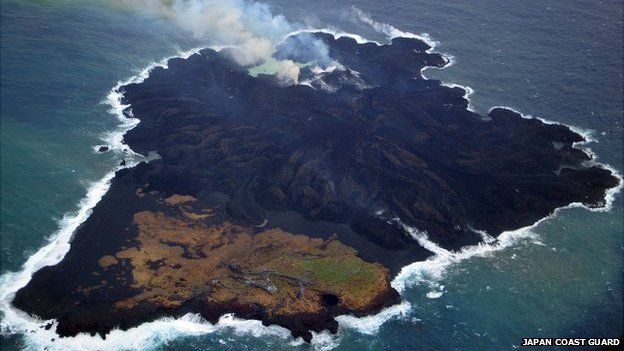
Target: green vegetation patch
<point>340,273</point>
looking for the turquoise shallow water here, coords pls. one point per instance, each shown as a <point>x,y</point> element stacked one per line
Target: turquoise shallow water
<point>557,60</point>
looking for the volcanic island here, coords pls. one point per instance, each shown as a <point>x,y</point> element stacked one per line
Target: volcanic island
<point>290,204</point>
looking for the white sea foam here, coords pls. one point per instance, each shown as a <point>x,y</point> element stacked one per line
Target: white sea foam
<point>58,244</point>
<point>468,92</point>
<point>148,335</point>
<point>389,30</point>
<point>114,99</point>
<point>323,341</point>
<point>335,32</point>
<point>371,324</point>
<point>434,294</point>
<point>588,136</point>
<point>151,334</point>
<point>15,321</point>
<point>432,270</point>
<point>392,32</point>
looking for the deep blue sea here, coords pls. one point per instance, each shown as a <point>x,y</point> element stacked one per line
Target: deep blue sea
<point>558,60</point>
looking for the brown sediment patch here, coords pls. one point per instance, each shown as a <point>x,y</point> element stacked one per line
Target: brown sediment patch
<point>409,147</point>
<point>107,260</point>
<point>284,273</point>
<point>176,199</point>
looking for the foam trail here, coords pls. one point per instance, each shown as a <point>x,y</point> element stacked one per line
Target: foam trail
<point>389,30</point>
<point>432,270</point>
<point>335,32</point>
<point>323,341</point>
<point>57,246</point>
<point>152,334</point>
<point>15,321</point>
<point>370,324</point>
<point>114,99</point>
<point>148,335</point>
<point>392,32</point>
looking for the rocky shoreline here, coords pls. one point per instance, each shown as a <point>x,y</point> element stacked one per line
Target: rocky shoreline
<point>204,230</point>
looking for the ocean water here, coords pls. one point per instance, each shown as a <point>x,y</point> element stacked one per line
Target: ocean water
<point>559,60</point>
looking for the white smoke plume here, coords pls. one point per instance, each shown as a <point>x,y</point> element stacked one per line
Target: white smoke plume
<point>248,26</point>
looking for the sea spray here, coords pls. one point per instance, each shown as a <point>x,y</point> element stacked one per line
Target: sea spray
<point>165,329</point>
<point>40,334</point>
<point>16,321</point>
<point>371,324</point>
<point>433,270</point>
<point>151,335</point>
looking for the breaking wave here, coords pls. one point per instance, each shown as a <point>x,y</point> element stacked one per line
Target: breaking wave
<point>430,272</point>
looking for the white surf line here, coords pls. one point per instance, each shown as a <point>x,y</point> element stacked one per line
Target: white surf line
<point>114,99</point>
<point>58,244</point>
<point>468,92</point>
<point>148,335</point>
<point>36,336</point>
<point>370,324</point>
<point>152,334</point>
<point>391,31</point>
<point>436,265</point>
<point>335,32</point>
<point>588,136</point>
<point>432,270</point>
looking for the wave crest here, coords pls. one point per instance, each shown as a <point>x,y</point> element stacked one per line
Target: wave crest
<point>151,334</point>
